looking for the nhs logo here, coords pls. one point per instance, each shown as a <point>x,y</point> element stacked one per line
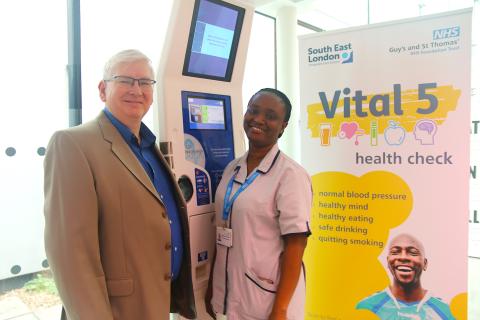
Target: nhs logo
<point>446,33</point>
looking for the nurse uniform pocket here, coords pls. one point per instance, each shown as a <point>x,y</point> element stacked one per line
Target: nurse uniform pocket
<point>259,295</point>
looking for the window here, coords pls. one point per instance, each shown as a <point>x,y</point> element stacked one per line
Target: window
<point>109,26</point>
<point>34,104</point>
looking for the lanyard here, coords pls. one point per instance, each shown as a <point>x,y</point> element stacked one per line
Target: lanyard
<point>227,204</point>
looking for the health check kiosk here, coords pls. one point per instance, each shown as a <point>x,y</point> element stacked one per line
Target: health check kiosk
<point>200,112</point>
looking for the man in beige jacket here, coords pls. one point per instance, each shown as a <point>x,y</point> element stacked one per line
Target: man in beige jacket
<point>116,227</point>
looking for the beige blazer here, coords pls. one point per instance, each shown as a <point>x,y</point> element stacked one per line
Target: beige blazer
<point>107,235</point>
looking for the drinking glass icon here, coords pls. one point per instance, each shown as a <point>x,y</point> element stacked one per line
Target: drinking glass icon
<point>325,133</point>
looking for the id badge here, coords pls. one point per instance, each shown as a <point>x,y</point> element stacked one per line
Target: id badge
<point>224,236</point>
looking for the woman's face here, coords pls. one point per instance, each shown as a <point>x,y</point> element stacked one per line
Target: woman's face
<point>264,120</point>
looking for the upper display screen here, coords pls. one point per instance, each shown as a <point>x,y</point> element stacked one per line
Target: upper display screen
<point>213,40</point>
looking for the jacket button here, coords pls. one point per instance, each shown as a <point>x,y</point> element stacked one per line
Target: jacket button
<point>168,246</point>
<point>167,277</point>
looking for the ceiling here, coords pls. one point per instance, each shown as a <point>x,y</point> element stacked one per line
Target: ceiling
<point>335,14</point>
<point>307,10</point>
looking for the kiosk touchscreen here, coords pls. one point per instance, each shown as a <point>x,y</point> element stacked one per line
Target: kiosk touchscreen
<point>207,125</point>
<point>200,111</point>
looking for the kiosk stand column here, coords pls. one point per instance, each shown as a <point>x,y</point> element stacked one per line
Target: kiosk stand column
<point>199,114</point>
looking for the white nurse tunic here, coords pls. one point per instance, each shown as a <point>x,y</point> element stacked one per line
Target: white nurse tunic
<point>276,204</point>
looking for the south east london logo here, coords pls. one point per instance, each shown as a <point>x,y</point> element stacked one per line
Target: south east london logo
<point>337,53</point>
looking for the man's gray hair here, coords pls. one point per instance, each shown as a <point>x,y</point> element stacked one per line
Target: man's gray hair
<point>125,56</point>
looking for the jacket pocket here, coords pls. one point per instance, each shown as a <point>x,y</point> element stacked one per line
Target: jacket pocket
<point>120,287</point>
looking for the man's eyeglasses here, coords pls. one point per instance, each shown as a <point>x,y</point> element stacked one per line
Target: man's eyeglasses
<point>129,81</point>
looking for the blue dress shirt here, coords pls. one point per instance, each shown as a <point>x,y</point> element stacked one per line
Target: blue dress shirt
<point>145,153</point>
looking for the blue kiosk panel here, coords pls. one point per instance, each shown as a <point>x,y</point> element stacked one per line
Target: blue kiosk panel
<point>207,125</point>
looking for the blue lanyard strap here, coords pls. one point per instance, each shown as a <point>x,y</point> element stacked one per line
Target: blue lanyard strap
<point>227,204</point>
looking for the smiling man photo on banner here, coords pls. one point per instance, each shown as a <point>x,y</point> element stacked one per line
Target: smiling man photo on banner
<point>406,298</point>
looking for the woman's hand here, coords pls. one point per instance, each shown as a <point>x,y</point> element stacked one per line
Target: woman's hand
<point>290,266</point>
<point>278,315</point>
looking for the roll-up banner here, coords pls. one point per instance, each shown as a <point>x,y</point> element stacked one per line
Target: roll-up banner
<point>385,123</point>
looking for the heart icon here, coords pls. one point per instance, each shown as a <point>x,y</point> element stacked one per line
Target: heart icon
<point>348,129</point>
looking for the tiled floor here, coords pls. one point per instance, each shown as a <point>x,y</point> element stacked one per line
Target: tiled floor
<point>12,308</point>
<point>474,289</point>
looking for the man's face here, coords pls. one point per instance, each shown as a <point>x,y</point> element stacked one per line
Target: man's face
<point>406,260</point>
<point>126,102</point>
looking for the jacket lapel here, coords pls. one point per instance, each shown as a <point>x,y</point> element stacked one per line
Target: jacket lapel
<point>123,152</point>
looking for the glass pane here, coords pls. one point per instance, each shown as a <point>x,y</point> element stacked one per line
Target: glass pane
<point>260,64</point>
<point>34,104</point>
<point>474,247</point>
<point>109,26</point>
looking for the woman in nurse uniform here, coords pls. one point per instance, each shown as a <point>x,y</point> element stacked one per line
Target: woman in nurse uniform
<point>262,214</point>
